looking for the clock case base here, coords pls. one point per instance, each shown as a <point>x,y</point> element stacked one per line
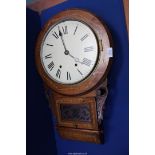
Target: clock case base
<point>84,135</point>
<point>81,117</point>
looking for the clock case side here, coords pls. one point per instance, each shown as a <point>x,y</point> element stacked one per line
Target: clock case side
<point>102,66</point>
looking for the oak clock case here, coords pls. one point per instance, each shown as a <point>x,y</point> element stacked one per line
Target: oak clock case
<point>73,55</point>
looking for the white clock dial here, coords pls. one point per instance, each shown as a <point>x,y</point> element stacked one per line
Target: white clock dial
<point>69,52</point>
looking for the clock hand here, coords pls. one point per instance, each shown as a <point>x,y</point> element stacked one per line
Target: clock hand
<point>62,39</point>
<point>67,52</point>
<point>85,61</point>
<point>76,59</point>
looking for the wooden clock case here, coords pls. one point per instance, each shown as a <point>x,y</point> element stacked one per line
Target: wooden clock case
<point>79,107</point>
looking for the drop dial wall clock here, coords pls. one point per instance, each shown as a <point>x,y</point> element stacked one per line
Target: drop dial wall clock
<point>73,55</point>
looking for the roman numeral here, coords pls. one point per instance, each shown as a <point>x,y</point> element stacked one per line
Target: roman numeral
<point>48,56</point>
<point>75,29</point>
<point>86,61</point>
<point>65,30</point>
<point>68,76</point>
<point>88,49</point>
<point>79,72</point>
<point>51,66</point>
<point>58,74</point>
<point>84,37</point>
<point>49,45</point>
<point>55,35</point>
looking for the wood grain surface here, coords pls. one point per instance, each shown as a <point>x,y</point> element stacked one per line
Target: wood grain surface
<point>126,10</point>
<point>41,5</point>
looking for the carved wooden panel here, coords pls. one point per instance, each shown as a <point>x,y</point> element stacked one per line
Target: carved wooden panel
<point>76,112</point>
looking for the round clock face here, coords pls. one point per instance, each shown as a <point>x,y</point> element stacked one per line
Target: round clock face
<point>69,52</point>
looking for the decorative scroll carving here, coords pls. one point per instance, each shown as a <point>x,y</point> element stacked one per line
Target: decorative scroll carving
<point>47,92</point>
<point>102,93</point>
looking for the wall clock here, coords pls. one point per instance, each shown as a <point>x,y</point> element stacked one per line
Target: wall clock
<point>73,55</point>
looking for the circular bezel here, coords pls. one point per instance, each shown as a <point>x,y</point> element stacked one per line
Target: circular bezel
<point>46,34</point>
<point>103,62</point>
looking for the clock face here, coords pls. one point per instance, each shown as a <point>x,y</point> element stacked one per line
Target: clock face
<point>69,52</point>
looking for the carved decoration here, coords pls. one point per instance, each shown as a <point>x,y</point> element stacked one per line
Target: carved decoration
<point>76,112</point>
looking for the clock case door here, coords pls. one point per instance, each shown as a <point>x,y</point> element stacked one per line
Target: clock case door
<point>76,113</point>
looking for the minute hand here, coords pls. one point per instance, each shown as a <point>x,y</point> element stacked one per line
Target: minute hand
<point>63,42</point>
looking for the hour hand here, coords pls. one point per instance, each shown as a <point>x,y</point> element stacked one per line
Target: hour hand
<point>76,59</point>
<point>85,61</point>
